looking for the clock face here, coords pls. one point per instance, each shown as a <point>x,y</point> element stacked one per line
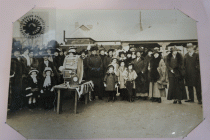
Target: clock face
<point>32,26</point>
<point>75,79</point>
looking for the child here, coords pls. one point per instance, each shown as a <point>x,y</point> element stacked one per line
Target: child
<point>130,82</point>
<point>47,88</point>
<point>110,83</point>
<point>122,73</point>
<point>115,64</point>
<point>33,88</point>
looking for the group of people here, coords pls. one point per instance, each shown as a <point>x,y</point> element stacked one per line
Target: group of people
<point>134,74</point>
<point>138,74</point>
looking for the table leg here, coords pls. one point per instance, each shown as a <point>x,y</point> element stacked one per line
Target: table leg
<point>58,102</point>
<point>75,103</point>
<point>86,98</point>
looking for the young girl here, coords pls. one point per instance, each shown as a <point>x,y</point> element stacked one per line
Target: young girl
<point>130,82</point>
<point>47,90</point>
<point>122,73</point>
<point>110,83</point>
<point>115,64</point>
<point>33,88</point>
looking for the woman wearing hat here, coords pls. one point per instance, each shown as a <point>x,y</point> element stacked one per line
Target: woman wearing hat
<point>16,71</point>
<point>122,56</point>
<point>129,58</point>
<point>95,67</point>
<point>32,88</point>
<point>34,61</point>
<point>83,55</point>
<point>176,75</point>
<point>108,58</point>
<point>147,58</point>
<point>130,82</point>
<point>47,90</point>
<point>140,68</point>
<point>157,75</point>
<point>26,60</point>
<point>192,78</point>
<point>46,63</point>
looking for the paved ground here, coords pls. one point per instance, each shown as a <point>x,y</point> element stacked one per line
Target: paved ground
<point>101,119</point>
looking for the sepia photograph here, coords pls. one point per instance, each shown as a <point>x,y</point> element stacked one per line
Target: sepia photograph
<point>86,74</point>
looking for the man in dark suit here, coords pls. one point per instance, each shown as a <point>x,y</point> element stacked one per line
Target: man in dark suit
<point>16,72</point>
<point>95,67</point>
<point>191,63</point>
<point>46,63</point>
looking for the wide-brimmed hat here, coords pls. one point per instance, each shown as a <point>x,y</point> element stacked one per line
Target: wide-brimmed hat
<point>110,50</point>
<point>94,48</point>
<point>84,51</point>
<point>149,50</point>
<point>157,50</point>
<point>33,70</point>
<point>131,64</point>
<point>72,51</point>
<point>16,49</point>
<point>174,49</point>
<point>140,49</point>
<point>47,69</point>
<point>128,52</point>
<point>190,45</point>
<point>109,66</point>
<point>25,48</point>
<point>101,49</point>
<point>122,52</point>
<point>114,57</point>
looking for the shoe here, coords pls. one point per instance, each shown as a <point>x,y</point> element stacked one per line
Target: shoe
<point>191,101</point>
<point>199,102</point>
<point>180,102</point>
<point>174,102</point>
<point>159,100</point>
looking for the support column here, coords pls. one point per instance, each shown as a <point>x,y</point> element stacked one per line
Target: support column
<point>163,45</point>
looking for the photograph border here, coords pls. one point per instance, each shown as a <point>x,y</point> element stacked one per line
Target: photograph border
<point>192,8</point>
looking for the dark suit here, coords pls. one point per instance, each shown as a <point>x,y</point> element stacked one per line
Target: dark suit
<point>192,78</point>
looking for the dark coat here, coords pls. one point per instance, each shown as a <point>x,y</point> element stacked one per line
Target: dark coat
<point>191,65</point>
<point>128,60</point>
<point>85,67</point>
<point>34,63</point>
<point>140,82</point>
<point>147,61</point>
<point>26,68</point>
<point>107,61</point>
<point>154,74</point>
<point>173,64</point>
<point>35,87</point>
<point>95,66</point>
<point>56,62</point>
<point>110,80</point>
<point>139,66</point>
<point>176,79</point>
<point>16,84</point>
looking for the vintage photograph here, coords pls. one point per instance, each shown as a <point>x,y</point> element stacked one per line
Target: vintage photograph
<point>104,74</point>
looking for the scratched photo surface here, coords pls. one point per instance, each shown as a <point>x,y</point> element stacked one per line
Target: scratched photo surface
<point>104,74</point>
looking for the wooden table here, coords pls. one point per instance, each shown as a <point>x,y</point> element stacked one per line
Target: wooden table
<point>73,88</point>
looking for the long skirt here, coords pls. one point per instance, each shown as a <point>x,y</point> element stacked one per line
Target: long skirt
<point>176,89</point>
<point>155,92</point>
<point>129,87</point>
<point>141,86</point>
